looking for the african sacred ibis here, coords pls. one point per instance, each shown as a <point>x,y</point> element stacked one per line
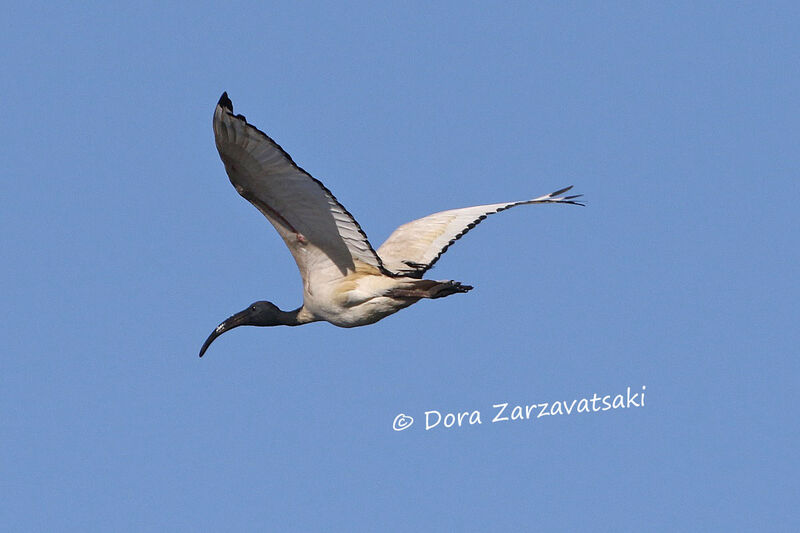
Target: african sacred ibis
<point>345,280</point>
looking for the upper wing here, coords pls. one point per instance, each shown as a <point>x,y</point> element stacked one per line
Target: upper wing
<point>324,238</point>
<point>414,247</point>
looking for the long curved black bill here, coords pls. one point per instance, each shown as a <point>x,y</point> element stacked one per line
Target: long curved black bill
<point>214,334</point>
<point>239,319</point>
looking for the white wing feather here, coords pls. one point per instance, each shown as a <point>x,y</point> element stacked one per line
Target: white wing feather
<point>325,240</point>
<point>414,247</point>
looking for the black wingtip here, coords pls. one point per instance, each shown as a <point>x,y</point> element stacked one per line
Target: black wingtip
<point>561,191</point>
<point>225,102</point>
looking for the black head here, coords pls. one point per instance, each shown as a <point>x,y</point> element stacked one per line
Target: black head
<point>257,314</point>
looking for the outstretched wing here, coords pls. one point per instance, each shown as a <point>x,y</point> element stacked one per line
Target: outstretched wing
<point>322,235</point>
<point>413,248</point>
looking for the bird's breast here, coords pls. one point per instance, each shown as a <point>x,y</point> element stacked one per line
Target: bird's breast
<point>355,300</point>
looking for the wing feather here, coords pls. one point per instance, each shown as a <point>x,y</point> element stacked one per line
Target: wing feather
<point>321,234</point>
<point>414,247</point>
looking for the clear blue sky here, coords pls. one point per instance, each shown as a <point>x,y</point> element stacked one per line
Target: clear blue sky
<point>124,244</point>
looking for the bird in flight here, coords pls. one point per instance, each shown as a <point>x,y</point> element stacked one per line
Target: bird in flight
<point>345,280</point>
